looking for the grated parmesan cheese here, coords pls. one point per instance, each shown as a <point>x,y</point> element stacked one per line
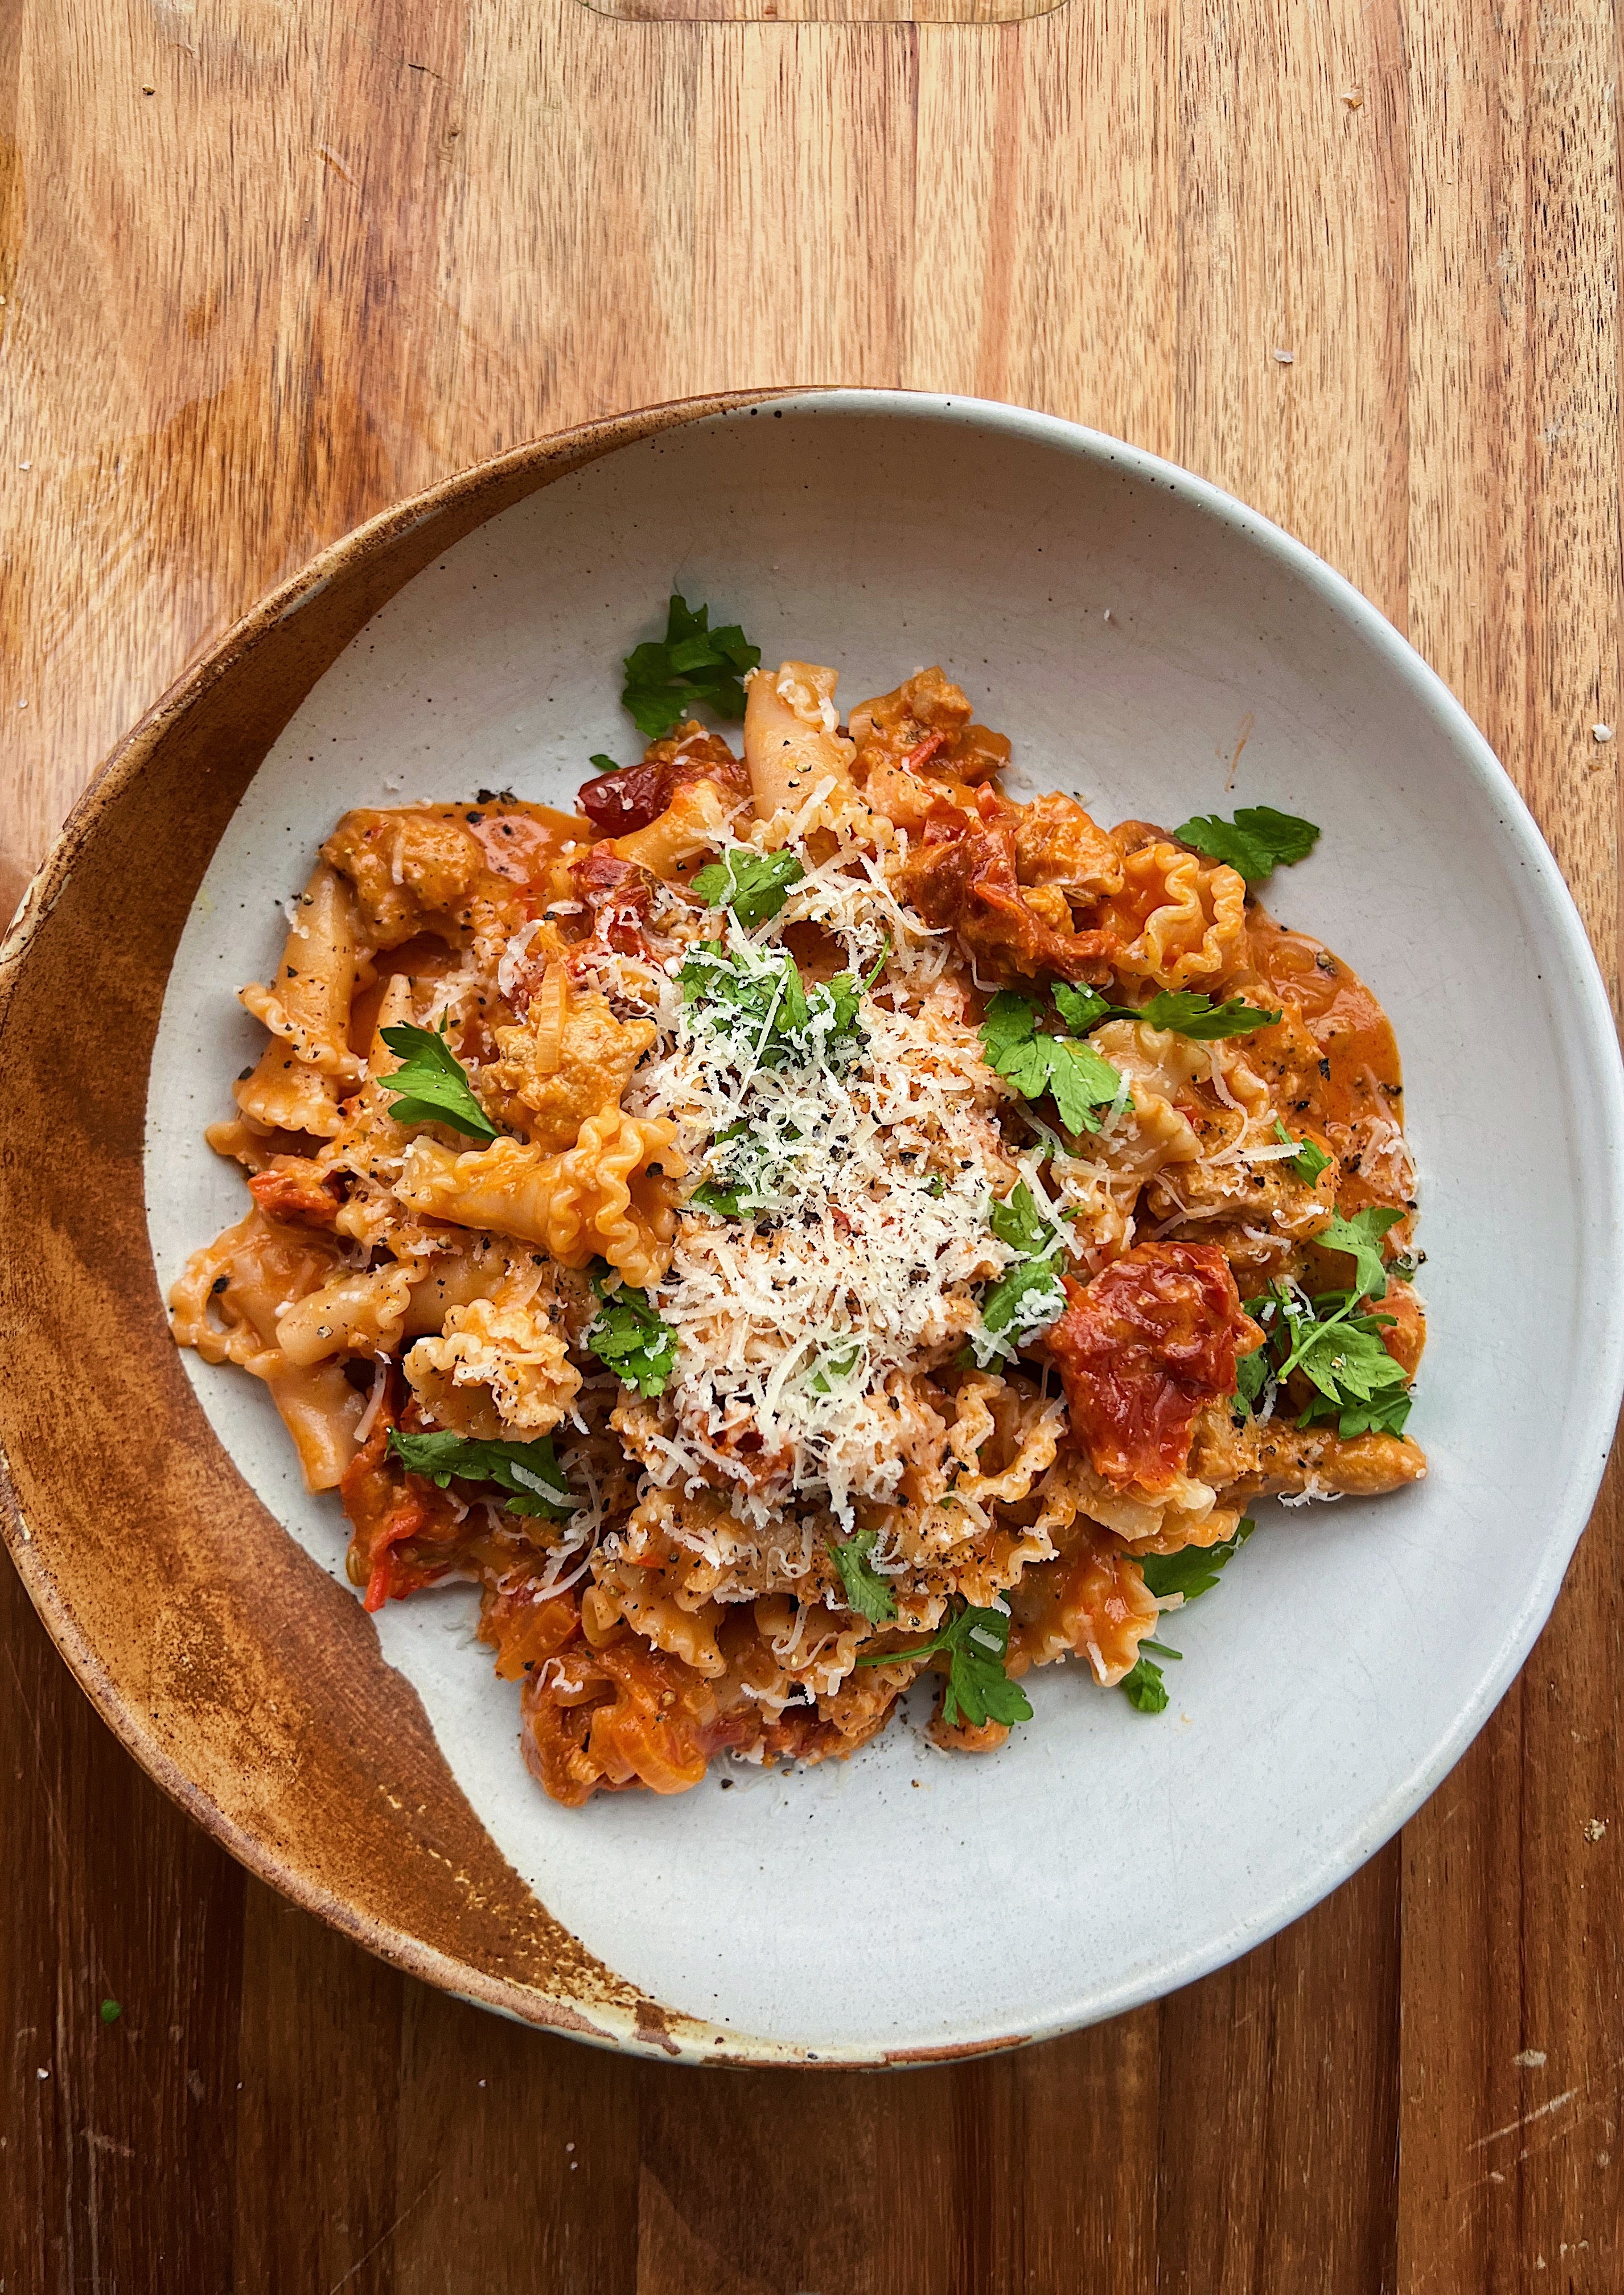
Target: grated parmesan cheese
<point>802,1330</point>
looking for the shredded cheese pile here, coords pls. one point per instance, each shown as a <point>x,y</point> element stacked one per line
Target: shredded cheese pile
<point>864,1184</point>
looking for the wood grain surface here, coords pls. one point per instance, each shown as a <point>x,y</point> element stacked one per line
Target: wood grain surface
<point>269,265</point>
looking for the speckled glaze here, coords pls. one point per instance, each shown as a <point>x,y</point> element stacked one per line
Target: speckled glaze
<point>1121,620</point>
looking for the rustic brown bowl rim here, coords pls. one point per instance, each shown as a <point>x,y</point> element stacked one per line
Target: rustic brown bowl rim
<point>641,2026</point>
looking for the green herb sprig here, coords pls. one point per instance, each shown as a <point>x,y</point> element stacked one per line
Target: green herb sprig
<point>1185,1012</point>
<point>758,998</point>
<point>978,1689</point>
<point>527,1471</point>
<point>753,886</point>
<point>1193,1570</point>
<point>693,667</point>
<point>1339,1352</point>
<point>1360,1237</point>
<point>631,1338</point>
<point>1029,1295</point>
<point>432,1084</point>
<point>1309,1162</point>
<point>1033,1062</point>
<point>1257,841</point>
<point>866,1591</point>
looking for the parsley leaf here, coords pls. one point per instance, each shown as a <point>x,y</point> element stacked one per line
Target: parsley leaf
<point>1026,1298</point>
<point>1252,1376</point>
<point>745,1165</point>
<point>1007,1037</point>
<point>1145,1687</point>
<point>1082,1008</point>
<point>830,1367</point>
<point>604,764</point>
<point>1018,1222</point>
<point>1189,1013</point>
<point>1028,1295</point>
<point>754,886</point>
<point>694,665</point>
<point>433,1084</point>
<point>1342,1355</point>
<point>631,1338</point>
<point>1361,1237</point>
<point>1309,1162</point>
<point>1186,1011</point>
<point>721,1202</point>
<point>866,1591</point>
<point>1194,1570</point>
<point>1079,1080</point>
<point>758,999</point>
<point>528,1471</point>
<point>1255,842</point>
<point>978,1690</point>
<point>743,999</point>
<point>1383,1415</point>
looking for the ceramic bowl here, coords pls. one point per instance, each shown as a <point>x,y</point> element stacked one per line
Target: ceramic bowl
<point>1124,623</point>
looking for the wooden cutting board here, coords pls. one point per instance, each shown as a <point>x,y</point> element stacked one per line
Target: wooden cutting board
<point>270,265</point>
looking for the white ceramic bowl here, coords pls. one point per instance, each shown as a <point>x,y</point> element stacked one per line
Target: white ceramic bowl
<point>1122,621</point>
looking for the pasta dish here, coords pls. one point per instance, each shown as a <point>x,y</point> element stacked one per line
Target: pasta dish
<point>807,1221</point>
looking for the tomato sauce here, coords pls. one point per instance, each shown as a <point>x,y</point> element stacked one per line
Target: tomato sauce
<point>1356,1079</point>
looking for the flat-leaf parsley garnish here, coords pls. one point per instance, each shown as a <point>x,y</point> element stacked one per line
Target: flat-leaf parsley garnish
<point>754,886</point>
<point>1256,842</point>
<point>757,998</point>
<point>631,1338</point>
<point>1185,1012</point>
<point>1143,1685</point>
<point>1340,1354</point>
<point>1029,1295</point>
<point>976,1643</point>
<point>694,665</point>
<point>1360,1237</point>
<point>1033,1062</point>
<point>1192,1571</point>
<point>1338,1349</point>
<point>737,1161</point>
<point>1018,1222</point>
<point>866,1591</point>
<point>432,1084</point>
<point>528,1472</point>
<point>1309,1162</point>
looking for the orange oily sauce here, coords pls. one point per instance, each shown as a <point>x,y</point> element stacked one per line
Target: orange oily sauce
<point>1354,1088</point>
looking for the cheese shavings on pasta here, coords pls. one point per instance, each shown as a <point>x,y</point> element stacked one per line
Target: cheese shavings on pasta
<point>862,1239</point>
<point>712,1150</point>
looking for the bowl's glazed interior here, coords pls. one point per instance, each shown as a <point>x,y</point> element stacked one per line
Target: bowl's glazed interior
<point>1124,624</point>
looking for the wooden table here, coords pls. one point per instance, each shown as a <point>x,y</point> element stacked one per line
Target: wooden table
<point>268,267</point>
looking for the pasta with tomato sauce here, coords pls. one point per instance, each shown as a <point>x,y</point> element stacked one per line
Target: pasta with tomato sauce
<point>804,1220</point>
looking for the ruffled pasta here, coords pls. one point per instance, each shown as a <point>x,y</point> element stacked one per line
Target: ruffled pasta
<point>602,1199</point>
<point>493,1372</point>
<point>791,743</point>
<point>725,1380</point>
<point>1178,919</point>
<point>297,1084</point>
<point>1093,1604</point>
